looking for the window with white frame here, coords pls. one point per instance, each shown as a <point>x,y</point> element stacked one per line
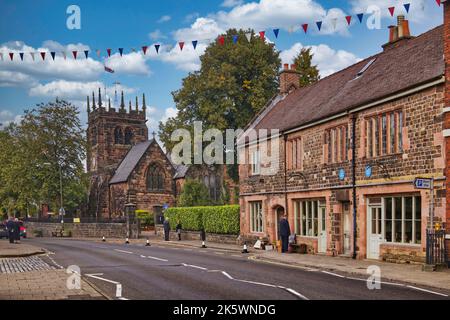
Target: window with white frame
<point>256,217</point>
<point>401,219</point>
<point>384,134</point>
<point>310,217</point>
<point>255,162</point>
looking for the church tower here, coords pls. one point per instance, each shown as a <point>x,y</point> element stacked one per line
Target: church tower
<point>111,134</point>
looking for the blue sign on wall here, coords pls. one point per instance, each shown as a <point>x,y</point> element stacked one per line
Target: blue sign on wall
<point>341,174</point>
<point>368,171</point>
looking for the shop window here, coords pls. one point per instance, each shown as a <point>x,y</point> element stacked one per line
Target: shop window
<point>310,216</point>
<point>256,216</point>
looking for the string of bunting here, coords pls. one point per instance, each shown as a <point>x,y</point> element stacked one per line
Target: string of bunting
<point>220,40</point>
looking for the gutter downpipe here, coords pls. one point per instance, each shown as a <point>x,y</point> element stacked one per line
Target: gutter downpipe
<point>354,183</point>
<point>285,178</point>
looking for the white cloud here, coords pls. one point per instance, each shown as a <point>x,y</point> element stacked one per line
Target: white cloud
<point>169,113</point>
<point>327,59</point>
<point>7,117</point>
<point>418,9</point>
<point>16,79</point>
<point>202,28</point>
<point>156,35</point>
<point>165,18</point>
<point>131,63</point>
<point>232,3</point>
<point>75,90</point>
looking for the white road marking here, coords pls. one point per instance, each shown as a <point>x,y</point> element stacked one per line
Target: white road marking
<point>429,291</point>
<point>219,253</point>
<point>257,283</point>
<point>227,275</point>
<point>118,284</point>
<point>123,251</point>
<point>295,293</point>
<point>333,274</point>
<point>193,266</point>
<point>159,259</point>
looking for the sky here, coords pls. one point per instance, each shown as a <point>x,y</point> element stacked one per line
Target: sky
<point>36,26</point>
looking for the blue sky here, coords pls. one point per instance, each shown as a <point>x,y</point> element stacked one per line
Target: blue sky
<point>35,26</point>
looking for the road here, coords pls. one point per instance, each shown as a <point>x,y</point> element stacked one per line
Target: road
<point>174,272</point>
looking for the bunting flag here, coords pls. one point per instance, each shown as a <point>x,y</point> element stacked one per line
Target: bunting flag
<point>133,50</point>
<point>1,56</point>
<point>144,49</point>
<point>276,32</point>
<point>157,48</point>
<point>305,27</point>
<point>86,53</point>
<point>98,53</point>
<point>235,38</point>
<point>248,35</point>
<point>194,44</point>
<point>319,25</point>
<point>334,23</point>
<point>438,2</point>
<point>75,53</point>
<point>181,45</point>
<point>109,70</point>
<point>391,11</point>
<point>349,19</point>
<point>407,6</point>
<point>109,52</point>
<point>32,55</point>
<point>262,35</point>
<point>43,55</point>
<point>360,17</point>
<point>221,40</point>
<point>53,54</point>
<point>121,51</point>
<point>64,54</point>
<point>21,55</point>
<point>11,56</point>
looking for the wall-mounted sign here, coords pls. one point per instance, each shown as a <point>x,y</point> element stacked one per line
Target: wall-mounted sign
<point>341,174</point>
<point>368,171</point>
<point>422,183</point>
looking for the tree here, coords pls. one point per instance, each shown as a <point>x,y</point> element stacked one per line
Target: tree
<point>194,194</point>
<point>47,145</point>
<point>234,83</point>
<point>309,74</point>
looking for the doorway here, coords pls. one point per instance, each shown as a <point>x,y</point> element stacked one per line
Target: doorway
<point>374,229</point>
<point>322,240</point>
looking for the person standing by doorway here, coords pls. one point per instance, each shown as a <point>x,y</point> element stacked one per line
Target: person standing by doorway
<point>285,232</point>
<point>166,225</point>
<point>10,226</point>
<point>178,229</point>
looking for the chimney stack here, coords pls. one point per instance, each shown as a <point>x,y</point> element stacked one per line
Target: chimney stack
<point>289,79</point>
<point>399,32</point>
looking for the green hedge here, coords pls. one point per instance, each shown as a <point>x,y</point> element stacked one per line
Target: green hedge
<point>220,219</point>
<point>146,218</point>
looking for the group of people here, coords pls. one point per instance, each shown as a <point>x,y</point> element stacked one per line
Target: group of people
<point>166,226</point>
<point>13,227</point>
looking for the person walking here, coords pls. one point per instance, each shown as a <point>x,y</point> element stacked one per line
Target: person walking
<point>285,232</point>
<point>166,225</point>
<point>10,226</point>
<point>17,230</point>
<point>178,229</point>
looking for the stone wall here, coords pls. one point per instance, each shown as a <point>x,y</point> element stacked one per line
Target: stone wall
<point>84,230</point>
<point>402,254</point>
<point>195,235</point>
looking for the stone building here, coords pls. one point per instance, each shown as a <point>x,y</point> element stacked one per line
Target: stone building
<point>350,148</point>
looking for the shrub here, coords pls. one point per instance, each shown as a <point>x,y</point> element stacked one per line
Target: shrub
<point>219,219</point>
<point>194,193</point>
<point>146,218</point>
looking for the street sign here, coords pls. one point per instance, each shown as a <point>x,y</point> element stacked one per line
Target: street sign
<point>422,183</point>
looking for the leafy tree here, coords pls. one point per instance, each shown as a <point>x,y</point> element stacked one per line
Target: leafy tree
<point>308,73</point>
<point>45,149</point>
<point>193,194</point>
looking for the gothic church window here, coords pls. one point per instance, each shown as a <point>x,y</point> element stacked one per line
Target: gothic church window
<point>128,136</point>
<point>94,136</point>
<point>118,136</point>
<point>155,178</point>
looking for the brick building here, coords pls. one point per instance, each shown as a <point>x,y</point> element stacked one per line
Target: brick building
<point>351,146</point>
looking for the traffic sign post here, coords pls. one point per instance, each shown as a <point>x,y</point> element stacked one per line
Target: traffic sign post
<point>427,183</point>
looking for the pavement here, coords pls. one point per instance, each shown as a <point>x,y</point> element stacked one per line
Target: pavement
<point>185,271</point>
<point>8,250</point>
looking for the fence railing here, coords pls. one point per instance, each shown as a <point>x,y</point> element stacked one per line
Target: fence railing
<point>80,220</point>
<point>436,250</point>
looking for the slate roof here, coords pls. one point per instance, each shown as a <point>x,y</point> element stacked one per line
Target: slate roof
<point>130,162</point>
<point>410,63</point>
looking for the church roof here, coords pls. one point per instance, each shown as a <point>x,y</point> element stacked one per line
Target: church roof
<point>130,162</point>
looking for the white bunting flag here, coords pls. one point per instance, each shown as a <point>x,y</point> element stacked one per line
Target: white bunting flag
<point>64,54</point>
<point>334,23</point>
<point>32,55</point>
<point>248,35</point>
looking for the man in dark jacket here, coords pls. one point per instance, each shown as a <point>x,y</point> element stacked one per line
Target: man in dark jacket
<point>17,230</point>
<point>285,232</point>
<point>10,225</point>
<point>166,225</point>
<point>178,229</point>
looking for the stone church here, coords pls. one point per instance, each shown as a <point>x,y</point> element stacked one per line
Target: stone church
<point>125,166</point>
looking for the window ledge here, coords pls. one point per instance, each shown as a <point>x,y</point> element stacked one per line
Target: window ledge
<point>397,244</point>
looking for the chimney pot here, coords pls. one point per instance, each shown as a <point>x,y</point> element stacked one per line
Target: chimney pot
<point>286,66</point>
<point>293,67</point>
<point>406,31</point>
<point>289,79</point>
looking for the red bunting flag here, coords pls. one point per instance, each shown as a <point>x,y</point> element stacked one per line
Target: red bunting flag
<point>75,54</point>
<point>349,19</point>
<point>144,49</point>
<point>262,35</point>
<point>391,11</point>
<point>438,2</point>
<point>109,52</point>
<point>43,55</point>
<point>181,44</point>
<point>11,55</point>
<point>305,27</point>
<point>221,40</point>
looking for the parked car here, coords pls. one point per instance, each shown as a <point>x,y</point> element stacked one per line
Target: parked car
<point>3,231</point>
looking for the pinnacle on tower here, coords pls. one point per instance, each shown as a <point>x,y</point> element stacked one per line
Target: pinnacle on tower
<point>88,106</point>
<point>93,100</point>
<point>129,106</point>
<point>122,102</point>
<point>109,104</point>
<point>99,98</point>
<point>137,104</point>
<point>144,107</point>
